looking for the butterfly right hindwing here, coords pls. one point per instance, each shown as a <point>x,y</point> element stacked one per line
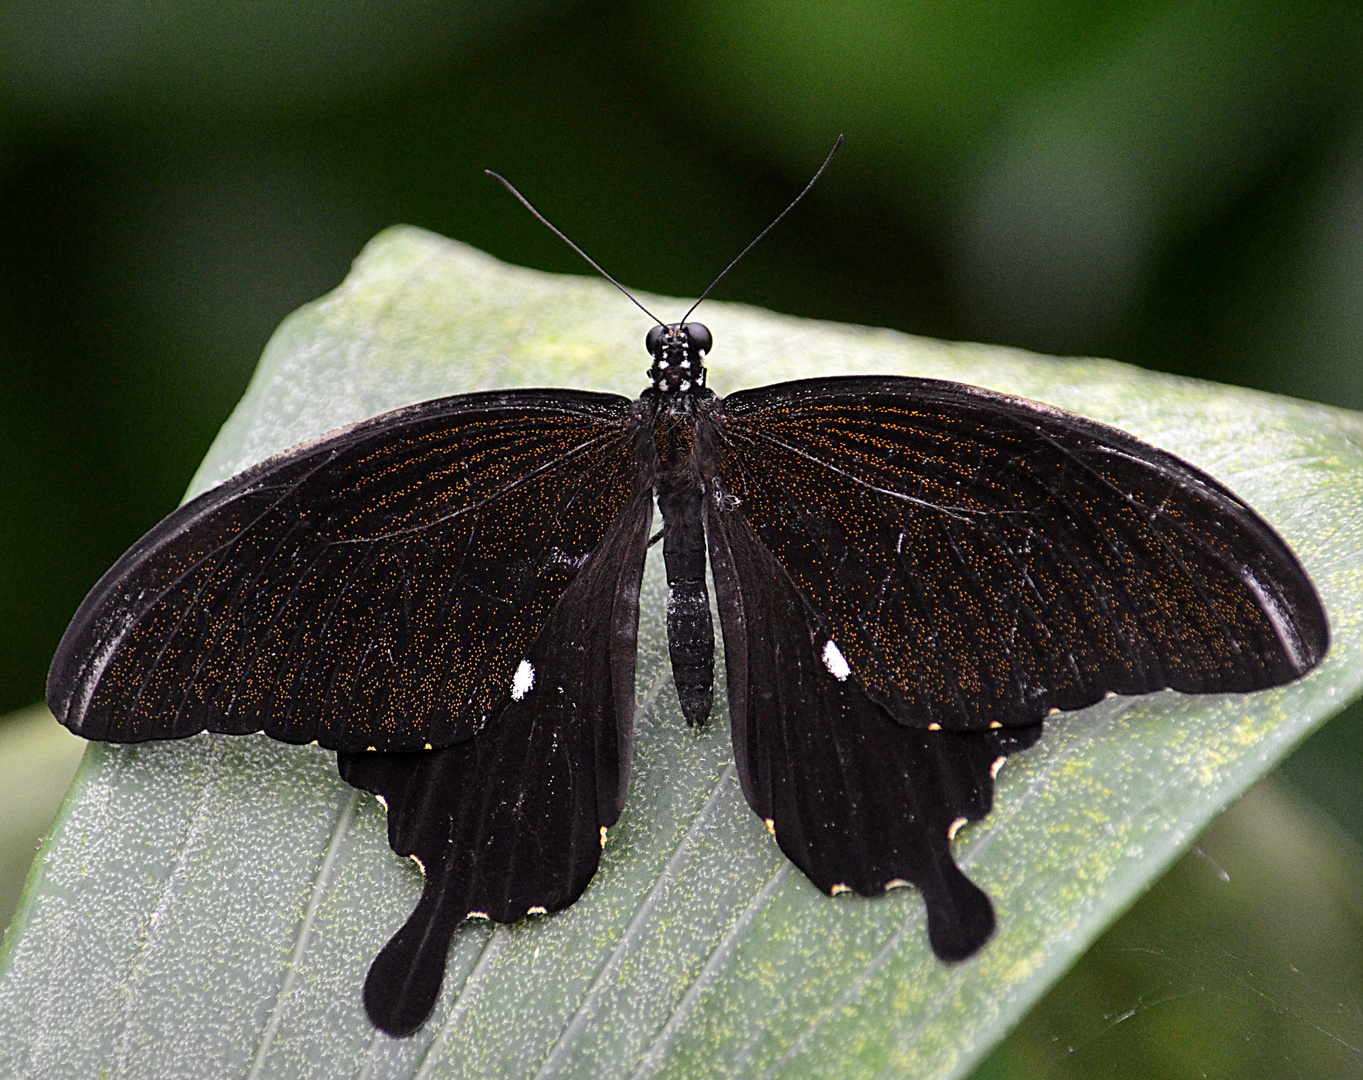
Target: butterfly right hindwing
<point>855,800</point>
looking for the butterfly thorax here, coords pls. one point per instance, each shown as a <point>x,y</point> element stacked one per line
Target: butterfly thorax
<point>678,352</point>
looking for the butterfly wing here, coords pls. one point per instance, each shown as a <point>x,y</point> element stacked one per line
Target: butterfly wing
<point>855,800</point>
<point>977,559</point>
<point>513,819</point>
<point>375,588</point>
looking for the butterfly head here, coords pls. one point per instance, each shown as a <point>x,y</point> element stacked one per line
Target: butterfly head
<point>678,351</point>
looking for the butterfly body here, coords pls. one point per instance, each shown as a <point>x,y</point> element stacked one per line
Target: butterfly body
<point>910,576</point>
<point>678,398</point>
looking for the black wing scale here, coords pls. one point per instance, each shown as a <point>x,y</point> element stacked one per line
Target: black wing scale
<point>983,560</point>
<point>376,588</point>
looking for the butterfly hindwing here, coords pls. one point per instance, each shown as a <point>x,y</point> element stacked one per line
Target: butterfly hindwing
<point>984,560</point>
<point>511,821</point>
<point>856,800</point>
<point>375,588</point>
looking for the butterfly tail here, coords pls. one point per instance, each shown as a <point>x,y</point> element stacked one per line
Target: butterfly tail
<point>405,978</point>
<point>960,916</point>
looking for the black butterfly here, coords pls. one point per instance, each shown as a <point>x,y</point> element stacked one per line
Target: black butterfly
<point>910,574</point>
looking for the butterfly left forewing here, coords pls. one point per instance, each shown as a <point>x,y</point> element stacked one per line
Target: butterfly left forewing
<point>512,821</point>
<point>376,587</point>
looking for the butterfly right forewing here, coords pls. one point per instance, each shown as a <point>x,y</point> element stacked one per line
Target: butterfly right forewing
<point>984,560</point>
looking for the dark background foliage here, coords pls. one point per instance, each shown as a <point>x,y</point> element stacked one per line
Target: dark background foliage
<point>1176,184</point>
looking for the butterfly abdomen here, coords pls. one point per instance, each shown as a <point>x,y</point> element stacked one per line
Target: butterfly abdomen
<point>690,632</point>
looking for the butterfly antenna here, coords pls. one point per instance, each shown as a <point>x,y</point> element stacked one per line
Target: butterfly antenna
<point>559,233</point>
<point>822,168</point>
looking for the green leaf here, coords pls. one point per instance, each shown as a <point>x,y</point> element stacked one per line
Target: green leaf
<point>209,907</point>
<point>38,758</point>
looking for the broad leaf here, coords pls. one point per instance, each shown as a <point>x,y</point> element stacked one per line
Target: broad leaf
<point>209,907</point>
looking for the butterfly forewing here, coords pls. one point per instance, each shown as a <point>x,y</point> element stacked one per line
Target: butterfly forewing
<point>376,588</point>
<point>980,560</point>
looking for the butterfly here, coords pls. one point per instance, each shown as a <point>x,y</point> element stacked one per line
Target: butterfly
<point>910,576</point>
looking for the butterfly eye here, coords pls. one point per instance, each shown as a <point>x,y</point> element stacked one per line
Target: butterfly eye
<point>654,339</point>
<point>700,337</point>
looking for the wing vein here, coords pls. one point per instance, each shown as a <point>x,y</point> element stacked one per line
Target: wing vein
<point>510,486</point>
<point>962,513</point>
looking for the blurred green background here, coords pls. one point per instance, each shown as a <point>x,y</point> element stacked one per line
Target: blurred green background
<point>1179,185</point>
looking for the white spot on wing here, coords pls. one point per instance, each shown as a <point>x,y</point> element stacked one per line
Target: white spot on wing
<point>523,680</point>
<point>954,828</point>
<point>835,662</point>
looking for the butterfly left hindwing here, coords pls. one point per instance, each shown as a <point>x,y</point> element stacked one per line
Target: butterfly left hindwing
<point>511,821</point>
